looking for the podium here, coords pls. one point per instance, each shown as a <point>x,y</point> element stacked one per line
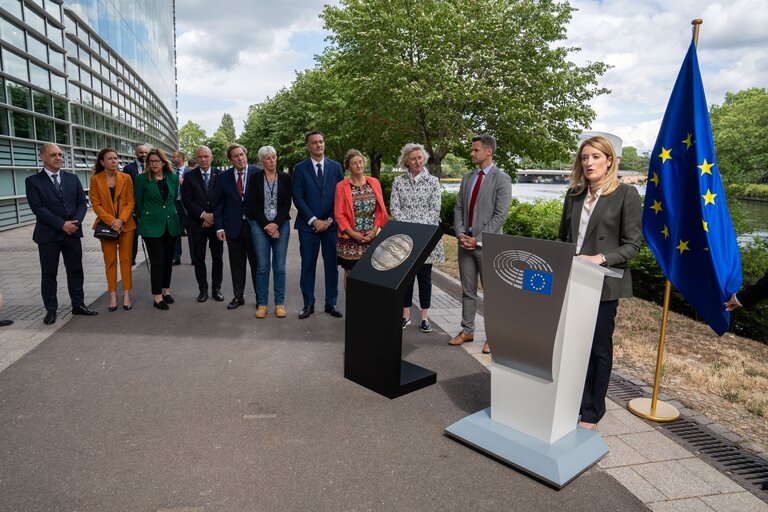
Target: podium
<point>541,305</point>
<point>373,334</point>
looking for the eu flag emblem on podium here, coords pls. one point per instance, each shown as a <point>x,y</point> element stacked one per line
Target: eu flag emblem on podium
<point>537,281</point>
<point>685,218</point>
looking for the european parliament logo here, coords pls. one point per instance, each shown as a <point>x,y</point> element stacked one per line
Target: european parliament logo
<point>524,271</point>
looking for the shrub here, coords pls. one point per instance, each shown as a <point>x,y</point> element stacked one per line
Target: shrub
<point>446,212</point>
<point>386,179</point>
<point>540,219</point>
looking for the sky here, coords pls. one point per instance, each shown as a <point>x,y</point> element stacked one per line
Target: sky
<point>247,50</point>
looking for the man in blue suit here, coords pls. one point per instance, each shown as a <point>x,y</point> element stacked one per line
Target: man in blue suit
<point>314,187</point>
<point>58,201</point>
<point>230,222</point>
<point>134,169</point>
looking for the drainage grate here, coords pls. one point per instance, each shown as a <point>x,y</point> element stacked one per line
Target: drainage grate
<point>746,469</point>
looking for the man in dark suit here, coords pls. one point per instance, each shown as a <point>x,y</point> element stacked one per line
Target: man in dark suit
<point>749,296</point>
<point>58,201</point>
<point>481,207</point>
<point>230,221</point>
<point>134,169</point>
<point>314,187</point>
<point>180,166</point>
<point>198,200</point>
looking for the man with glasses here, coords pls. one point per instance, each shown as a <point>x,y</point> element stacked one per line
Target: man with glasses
<point>133,169</point>
<point>58,201</point>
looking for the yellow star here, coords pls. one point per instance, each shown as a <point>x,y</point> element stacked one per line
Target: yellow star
<point>666,154</point>
<point>705,167</point>
<point>656,206</point>
<point>683,246</point>
<point>665,231</point>
<point>655,179</point>
<point>688,142</point>
<point>705,224</point>
<point>709,197</point>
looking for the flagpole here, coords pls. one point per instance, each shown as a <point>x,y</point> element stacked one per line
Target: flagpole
<point>653,408</point>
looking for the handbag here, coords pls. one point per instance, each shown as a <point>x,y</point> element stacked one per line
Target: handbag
<point>104,232</point>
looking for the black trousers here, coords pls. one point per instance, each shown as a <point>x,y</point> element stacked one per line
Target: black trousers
<point>240,250</point>
<point>600,364</point>
<point>424,277</point>
<point>72,251</point>
<point>198,241</point>
<point>160,254</point>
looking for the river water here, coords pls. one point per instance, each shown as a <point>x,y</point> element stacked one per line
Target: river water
<point>755,212</point>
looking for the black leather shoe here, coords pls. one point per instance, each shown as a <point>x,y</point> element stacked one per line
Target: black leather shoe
<point>168,299</point>
<point>50,317</point>
<point>5,323</point>
<point>217,296</point>
<point>161,305</point>
<point>334,311</point>
<point>203,296</point>
<point>235,303</point>
<point>306,311</point>
<point>83,310</point>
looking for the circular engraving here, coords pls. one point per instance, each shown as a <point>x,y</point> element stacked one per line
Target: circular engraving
<point>392,252</point>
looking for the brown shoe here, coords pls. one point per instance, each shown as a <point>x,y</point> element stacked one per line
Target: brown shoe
<point>460,338</point>
<point>261,312</point>
<point>486,348</point>
<point>280,311</point>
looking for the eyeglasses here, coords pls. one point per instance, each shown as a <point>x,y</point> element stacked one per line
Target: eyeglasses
<point>155,162</point>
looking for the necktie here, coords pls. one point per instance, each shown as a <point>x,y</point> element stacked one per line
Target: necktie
<point>56,183</point>
<point>207,180</point>
<point>141,168</point>
<point>240,183</point>
<point>320,172</point>
<point>474,198</point>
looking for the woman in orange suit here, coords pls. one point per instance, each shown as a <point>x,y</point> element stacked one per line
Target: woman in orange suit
<point>112,201</point>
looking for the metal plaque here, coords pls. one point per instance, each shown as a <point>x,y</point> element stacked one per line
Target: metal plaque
<point>392,252</point>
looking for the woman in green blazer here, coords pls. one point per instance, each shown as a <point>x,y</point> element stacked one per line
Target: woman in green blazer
<point>603,217</point>
<point>156,191</point>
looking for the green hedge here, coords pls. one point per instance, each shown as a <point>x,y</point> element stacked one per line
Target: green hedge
<point>755,191</point>
<point>542,219</point>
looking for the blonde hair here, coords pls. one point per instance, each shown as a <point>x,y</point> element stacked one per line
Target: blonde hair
<point>607,183</point>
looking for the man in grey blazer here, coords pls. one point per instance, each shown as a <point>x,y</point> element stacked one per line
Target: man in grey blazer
<point>481,207</point>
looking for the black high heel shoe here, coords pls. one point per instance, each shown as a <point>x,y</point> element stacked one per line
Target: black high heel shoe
<point>112,309</point>
<point>127,307</point>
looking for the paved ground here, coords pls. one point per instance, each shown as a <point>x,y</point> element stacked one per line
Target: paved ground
<point>200,408</point>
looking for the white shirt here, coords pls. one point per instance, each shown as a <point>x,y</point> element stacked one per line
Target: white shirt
<point>315,164</point>
<point>586,214</point>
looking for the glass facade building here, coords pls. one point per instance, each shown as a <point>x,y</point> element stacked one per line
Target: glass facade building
<point>84,74</point>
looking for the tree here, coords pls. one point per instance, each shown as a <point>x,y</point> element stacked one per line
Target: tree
<point>439,71</point>
<point>227,128</point>
<point>191,136</point>
<point>218,144</point>
<point>631,161</point>
<point>740,130</point>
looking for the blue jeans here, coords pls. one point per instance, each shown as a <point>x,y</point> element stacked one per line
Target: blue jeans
<point>276,250</point>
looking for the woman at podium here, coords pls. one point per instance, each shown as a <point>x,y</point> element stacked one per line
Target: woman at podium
<point>602,216</point>
<point>416,197</point>
<point>359,211</point>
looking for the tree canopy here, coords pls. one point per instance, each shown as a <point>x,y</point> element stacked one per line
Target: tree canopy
<point>740,130</point>
<point>191,136</point>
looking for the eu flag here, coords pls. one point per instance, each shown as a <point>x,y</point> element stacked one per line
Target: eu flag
<point>685,219</point>
<point>537,281</point>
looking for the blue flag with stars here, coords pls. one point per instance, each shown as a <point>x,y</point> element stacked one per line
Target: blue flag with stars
<point>685,219</point>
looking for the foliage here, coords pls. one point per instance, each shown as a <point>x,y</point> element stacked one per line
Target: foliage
<point>453,166</point>
<point>740,130</point>
<point>218,144</point>
<point>438,71</point>
<point>753,322</point>
<point>227,128</point>
<point>191,136</point>
<point>631,161</point>
<point>540,219</point>
<point>447,204</point>
<point>386,179</point>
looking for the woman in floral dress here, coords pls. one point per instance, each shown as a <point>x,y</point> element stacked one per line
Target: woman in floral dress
<point>359,211</point>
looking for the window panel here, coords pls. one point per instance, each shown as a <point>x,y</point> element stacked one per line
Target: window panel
<point>60,109</point>
<point>34,20</point>
<point>44,129</point>
<point>37,48</point>
<point>42,103</point>
<point>39,76</point>
<point>56,59</point>
<point>4,130</point>
<point>12,34</point>
<point>15,65</point>
<point>19,95</point>
<point>21,125</point>
<point>62,134</point>
<point>58,84</point>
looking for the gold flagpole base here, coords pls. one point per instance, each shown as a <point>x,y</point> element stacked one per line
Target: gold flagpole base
<point>664,411</point>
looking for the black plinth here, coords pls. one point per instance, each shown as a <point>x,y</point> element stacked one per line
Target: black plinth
<point>374,312</point>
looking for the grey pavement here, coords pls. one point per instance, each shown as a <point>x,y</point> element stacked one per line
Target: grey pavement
<point>200,408</point>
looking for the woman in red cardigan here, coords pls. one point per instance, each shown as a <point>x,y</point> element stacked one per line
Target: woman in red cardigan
<point>359,211</point>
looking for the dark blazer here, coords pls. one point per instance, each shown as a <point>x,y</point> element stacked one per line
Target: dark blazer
<point>254,199</point>
<point>53,211</point>
<point>154,212</point>
<point>753,294</point>
<point>312,197</point>
<point>228,207</point>
<point>132,169</point>
<point>107,209</point>
<point>196,199</point>
<point>614,230</point>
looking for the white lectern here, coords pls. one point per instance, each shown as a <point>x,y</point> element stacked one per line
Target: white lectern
<point>540,309</point>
